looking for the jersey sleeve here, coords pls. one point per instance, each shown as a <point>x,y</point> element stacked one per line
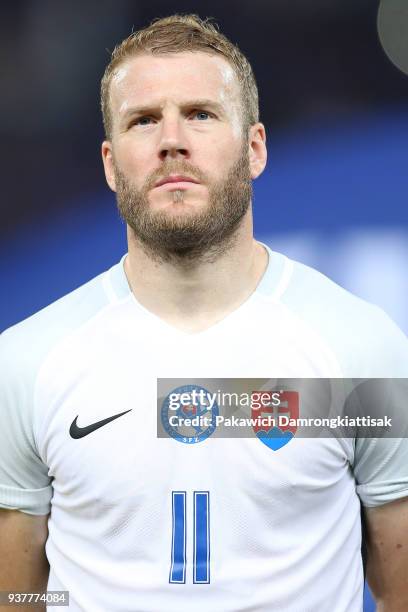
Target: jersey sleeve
<point>381,464</point>
<point>381,470</point>
<point>366,344</point>
<point>24,481</point>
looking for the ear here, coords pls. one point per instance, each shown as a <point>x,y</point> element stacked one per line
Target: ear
<point>107,159</point>
<point>257,149</point>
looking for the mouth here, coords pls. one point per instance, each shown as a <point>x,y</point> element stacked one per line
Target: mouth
<point>176,181</point>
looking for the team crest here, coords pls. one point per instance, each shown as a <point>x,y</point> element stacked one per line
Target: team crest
<point>187,414</point>
<point>275,427</point>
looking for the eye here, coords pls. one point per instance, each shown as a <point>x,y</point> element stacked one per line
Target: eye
<point>201,115</point>
<point>142,121</point>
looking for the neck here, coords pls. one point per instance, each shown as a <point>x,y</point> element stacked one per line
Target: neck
<point>193,295</point>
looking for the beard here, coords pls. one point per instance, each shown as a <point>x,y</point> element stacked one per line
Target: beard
<point>192,235</point>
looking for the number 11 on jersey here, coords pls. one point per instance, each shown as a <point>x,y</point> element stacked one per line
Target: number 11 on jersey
<point>201,537</point>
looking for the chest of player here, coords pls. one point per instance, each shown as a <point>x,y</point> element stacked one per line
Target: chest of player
<point>96,429</point>
<point>100,442</point>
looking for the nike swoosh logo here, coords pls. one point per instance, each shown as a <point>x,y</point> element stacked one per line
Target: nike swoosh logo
<point>79,432</point>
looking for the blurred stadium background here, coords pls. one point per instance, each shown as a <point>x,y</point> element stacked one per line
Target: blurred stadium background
<point>334,104</point>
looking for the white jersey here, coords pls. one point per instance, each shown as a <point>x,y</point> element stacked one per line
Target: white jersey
<point>144,524</point>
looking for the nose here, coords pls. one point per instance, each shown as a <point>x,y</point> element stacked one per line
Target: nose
<point>173,142</point>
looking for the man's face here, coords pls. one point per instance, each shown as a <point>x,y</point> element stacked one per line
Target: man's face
<point>178,159</point>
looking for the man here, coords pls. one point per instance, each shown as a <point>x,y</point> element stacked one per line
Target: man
<point>140,523</point>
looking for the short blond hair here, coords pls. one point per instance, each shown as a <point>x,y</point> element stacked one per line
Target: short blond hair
<point>178,34</point>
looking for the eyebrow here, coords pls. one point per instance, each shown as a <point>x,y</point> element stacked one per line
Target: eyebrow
<point>200,103</point>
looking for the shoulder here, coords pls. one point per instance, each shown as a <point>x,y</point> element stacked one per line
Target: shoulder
<point>24,345</point>
<point>363,337</point>
<point>24,477</point>
<point>309,290</point>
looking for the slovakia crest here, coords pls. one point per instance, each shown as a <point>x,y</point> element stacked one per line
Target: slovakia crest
<point>275,417</point>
